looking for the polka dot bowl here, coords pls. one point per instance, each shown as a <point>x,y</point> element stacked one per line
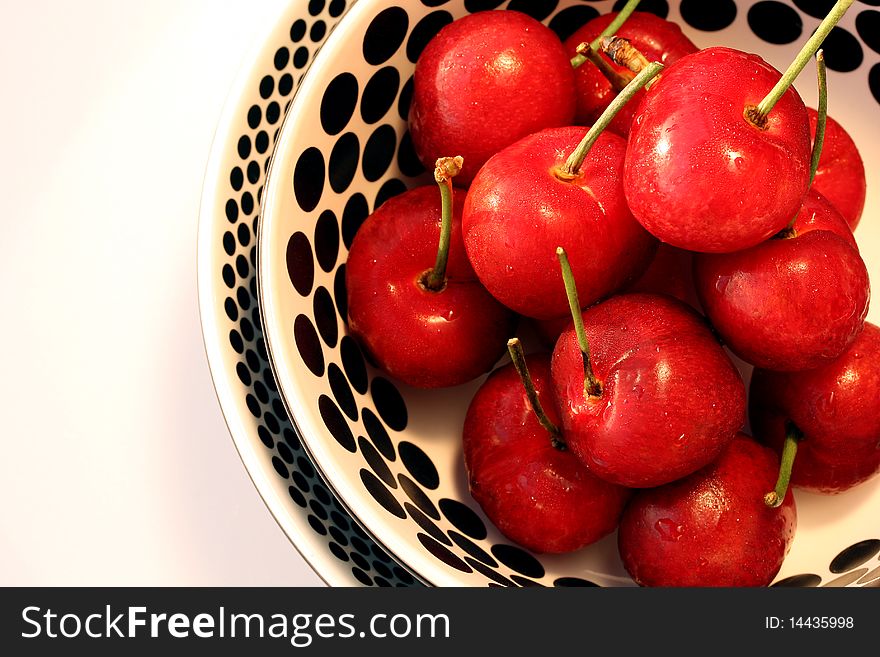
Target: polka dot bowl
<point>391,454</point>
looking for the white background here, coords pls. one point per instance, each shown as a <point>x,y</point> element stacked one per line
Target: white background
<point>117,467</point>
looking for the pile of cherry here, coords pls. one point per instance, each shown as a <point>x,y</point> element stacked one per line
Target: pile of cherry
<point>647,216</point>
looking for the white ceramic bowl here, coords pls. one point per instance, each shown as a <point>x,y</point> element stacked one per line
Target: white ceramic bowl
<point>391,453</point>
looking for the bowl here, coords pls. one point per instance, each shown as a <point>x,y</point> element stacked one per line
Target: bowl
<point>392,453</point>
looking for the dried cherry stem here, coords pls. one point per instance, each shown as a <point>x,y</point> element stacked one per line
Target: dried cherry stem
<point>446,168</point>
<point>592,387</point>
<point>613,26</point>
<point>793,436</point>
<point>757,114</point>
<point>569,170</point>
<point>514,347</point>
<point>617,80</point>
<point>624,53</point>
<point>821,120</point>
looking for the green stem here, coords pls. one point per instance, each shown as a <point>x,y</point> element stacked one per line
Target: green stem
<point>612,28</point>
<point>793,436</point>
<point>519,362</point>
<point>758,115</point>
<point>569,170</point>
<point>592,388</point>
<point>822,115</point>
<point>446,168</point>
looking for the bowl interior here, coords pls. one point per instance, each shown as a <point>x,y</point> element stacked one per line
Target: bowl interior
<point>391,453</point>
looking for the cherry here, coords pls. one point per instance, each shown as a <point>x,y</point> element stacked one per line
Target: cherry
<point>427,327</point>
<point>646,392</point>
<point>790,303</point>
<point>836,410</point>
<point>841,174</point>
<point>529,198</point>
<point>537,493</point>
<point>711,528</point>
<point>483,82</point>
<point>657,39</point>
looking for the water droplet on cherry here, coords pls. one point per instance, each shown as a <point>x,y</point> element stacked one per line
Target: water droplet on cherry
<point>668,529</point>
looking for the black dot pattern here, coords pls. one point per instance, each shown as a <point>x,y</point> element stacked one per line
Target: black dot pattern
<point>398,474</point>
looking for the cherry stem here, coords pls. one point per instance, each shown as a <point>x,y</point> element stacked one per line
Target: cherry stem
<point>569,170</point>
<point>623,53</point>
<point>445,170</point>
<point>758,114</point>
<point>613,26</point>
<point>519,362</point>
<point>617,80</point>
<point>592,388</point>
<point>793,436</point>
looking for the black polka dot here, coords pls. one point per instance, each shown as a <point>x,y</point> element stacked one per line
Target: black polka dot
<point>280,468</point>
<point>261,391</point>
<point>298,30</point>
<point>353,364</point>
<point>573,582</point>
<point>815,8</point>
<point>326,240</point>
<point>336,8</point>
<point>317,31</point>
<point>481,5</point>
<point>338,103</point>
<point>317,525</point>
<point>305,466</point>
<point>343,162</point>
<point>247,329</point>
<point>335,423</point>
<point>308,345</point>
<point>426,524</point>
<point>537,9</point>
<point>341,391</point>
<point>874,81</point>
<point>243,297</point>
<point>282,58</point>
<point>855,555</point>
<point>657,7</point>
<point>362,577</point>
<point>518,559</point>
<point>318,509</point>
<point>308,179</point>
<point>472,549</point>
<point>253,172</point>
<point>300,264</point>
<point>389,189</point>
<point>296,496</point>
<point>301,57</point>
<point>316,7</point>
<point>337,551</point>
<point>253,406</point>
<point>775,22</point>
<point>407,160</point>
<point>265,437</point>
<point>228,276</point>
<point>244,234</point>
<point>253,360</point>
<point>708,16</point>
<point>488,572</point>
<point>418,496</point>
<point>419,465</point>
<point>244,374</point>
<point>301,482</point>
<point>425,30</point>
<point>235,341</point>
<point>267,86</point>
<point>842,51</point>
<point>434,3</point>
<point>325,316</point>
<point>354,214</point>
<point>231,211</point>
<point>379,152</point>
<point>273,112</point>
<point>443,553</point>
<point>390,405</point>
<point>570,19</point>
<point>800,581</point>
<point>231,309</point>
<point>385,35</point>
<point>274,426</point>
<point>463,518</point>
<point>228,243</point>
<point>405,100</point>
<point>378,435</point>
<point>247,203</point>
<point>873,3</point>
<point>285,84</point>
<point>241,266</point>
<point>340,295</point>
<point>381,494</point>
<point>236,179</point>
<point>868,27</point>
<point>379,94</point>
<point>376,462</point>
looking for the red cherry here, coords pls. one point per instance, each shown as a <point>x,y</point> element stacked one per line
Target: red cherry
<point>538,495</point>
<point>669,396</point>
<point>702,177</point>
<point>657,39</point>
<point>485,81</point>
<point>711,528</point>
<point>422,337</point>
<point>835,406</point>
<point>790,303</point>
<point>518,210</point>
<point>841,174</point>
<point>670,272</point>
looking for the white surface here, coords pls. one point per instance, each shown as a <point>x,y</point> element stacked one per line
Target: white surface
<point>117,466</point>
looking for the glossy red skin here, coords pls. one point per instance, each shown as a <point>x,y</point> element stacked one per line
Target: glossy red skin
<point>484,81</point>
<point>422,338</point>
<point>663,376</point>
<point>841,174</point>
<point>837,406</point>
<point>711,528</point>
<point>538,496</point>
<point>656,38</point>
<point>517,212</point>
<point>697,174</point>
<point>789,304</point>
